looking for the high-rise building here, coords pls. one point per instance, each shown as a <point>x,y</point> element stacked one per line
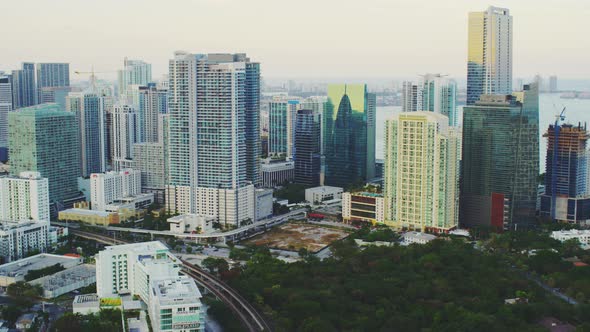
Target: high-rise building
<point>282,124</point>
<point>175,305</point>
<point>553,83</point>
<point>208,148</point>
<point>44,139</point>
<point>567,195</point>
<point>422,157</point>
<point>89,108</point>
<point>349,134</point>
<point>411,97</point>
<point>150,160</point>
<point>439,95</point>
<point>5,108</point>
<point>132,267</point>
<point>51,75</point>
<point>134,72</point>
<point>489,58</point>
<point>106,188</point>
<point>24,197</point>
<point>125,135</point>
<point>24,93</point>
<point>307,148</point>
<point>19,239</point>
<point>500,164</point>
<point>152,103</point>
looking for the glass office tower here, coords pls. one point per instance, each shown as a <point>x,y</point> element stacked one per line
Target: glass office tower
<point>500,164</point>
<point>307,148</point>
<point>489,57</point>
<point>349,135</point>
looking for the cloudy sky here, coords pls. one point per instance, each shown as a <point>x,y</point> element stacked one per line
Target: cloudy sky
<point>297,38</point>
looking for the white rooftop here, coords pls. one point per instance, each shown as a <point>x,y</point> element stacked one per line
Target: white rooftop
<point>419,235</point>
<point>176,290</point>
<point>22,266</point>
<point>89,212</point>
<point>140,248</point>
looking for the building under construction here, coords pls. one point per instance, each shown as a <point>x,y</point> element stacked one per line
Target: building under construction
<point>567,194</point>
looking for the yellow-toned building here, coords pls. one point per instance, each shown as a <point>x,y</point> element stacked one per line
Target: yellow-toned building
<point>91,217</point>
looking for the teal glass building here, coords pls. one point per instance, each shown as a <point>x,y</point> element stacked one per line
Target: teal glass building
<point>44,139</point>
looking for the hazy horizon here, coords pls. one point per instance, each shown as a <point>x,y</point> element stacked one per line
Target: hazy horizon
<point>309,39</point>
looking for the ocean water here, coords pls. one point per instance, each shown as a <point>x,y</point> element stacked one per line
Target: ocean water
<point>577,110</point>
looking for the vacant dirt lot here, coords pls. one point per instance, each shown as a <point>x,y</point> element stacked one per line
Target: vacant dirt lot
<point>297,236</point>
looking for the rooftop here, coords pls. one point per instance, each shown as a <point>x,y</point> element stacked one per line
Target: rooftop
<point>86,298</point>
<point>66,277</point>
<point>87,212</point>
<point>9,225</point>
<point>571,232</point>
<point>139,248</point>
<point>48,109</point>
<point>419,235</point>
<point>324,189</point>
<point>367,194</point>
<point>177,290</point>
<point>22,266</point>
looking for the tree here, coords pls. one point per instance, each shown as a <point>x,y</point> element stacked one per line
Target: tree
<point>11,313</point>
<point>215,264</point>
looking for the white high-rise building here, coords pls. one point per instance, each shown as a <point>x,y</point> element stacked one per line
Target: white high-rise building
<point>411,97</point>
<point>213,135</point>
<point>422,154</point>
<point>125,135</point>
<point>489,57</point>
<point>106,188</point>
<point>18,239</point>
<point>134,72</point>
<point>24,198</point>
<point>175,305</point>
<point>439,95</point>
<point>130,268</point>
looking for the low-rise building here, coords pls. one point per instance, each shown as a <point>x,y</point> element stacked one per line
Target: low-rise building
<point>17,239</point>
<point>17,270</point>
<point>67,280</point>
<point>276,173</point>
<point>91,217</point>
<point>191,223</point>
<point>583,236</point>
<point>264,202</point>
<point>416,237</point>
<point>363,206</point>
<point>317,195</point>
<point>175,305</point>
<point>86,304</point>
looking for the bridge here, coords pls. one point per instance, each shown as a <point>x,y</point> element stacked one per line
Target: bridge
<point>231,235</point>
<point>249,316</point>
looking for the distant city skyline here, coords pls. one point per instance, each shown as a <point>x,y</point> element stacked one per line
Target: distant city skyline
<point>373,38</point>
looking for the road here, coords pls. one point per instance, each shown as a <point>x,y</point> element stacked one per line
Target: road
<point>546,287</point>
<point>251,319</point>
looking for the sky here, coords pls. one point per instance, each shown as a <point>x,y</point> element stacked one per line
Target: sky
<point>293,39</point>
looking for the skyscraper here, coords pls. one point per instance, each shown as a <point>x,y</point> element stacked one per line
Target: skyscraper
<point>44,139</point>
<point>125,135</point>
<point>489,59</point>
<point>422,172</point>
<point>307,148</point>
<point>89,108</point>
<point>567,196</point>
<point>24,197</point>
<point>500,163</point>
<point>51,75</point>
<point>152,103</point>
<point>208,130</point>
<point>5,108</point>
<point>439,95</point>
<point>23,86</point>
<point>282,122</point>
<point>134,72</point>
<point>349,135</point>
<point>411,97</point>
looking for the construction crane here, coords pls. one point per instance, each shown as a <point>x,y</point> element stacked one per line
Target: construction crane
<point>556,128</point>
<point>92,74</point>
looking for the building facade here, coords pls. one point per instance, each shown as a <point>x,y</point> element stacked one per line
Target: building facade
<point>24,198</point>
<point>149,159</point>
<point>363,206</point>
<point>175,305</point>
<point>500,163</point>
<point>125,134</point>
<point>152,103</point>
<point>51,75</point>
<point>5,108</point>
<point>277,173</point>
<point>106,188</point>
<point>422,172</point>
<point>489,57</point>
<point>567,196</point>
<point>439,95</point>
<point>349,135</point>
<point>308,148</point>
<point>89,108</point>
<point>24,92</point>
<point>18,239</point>
<point>134,72</point>
<point>282,118</point>
<point>44,139</point>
